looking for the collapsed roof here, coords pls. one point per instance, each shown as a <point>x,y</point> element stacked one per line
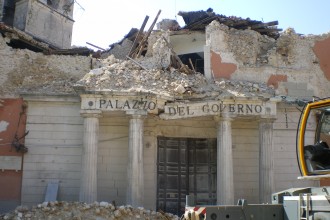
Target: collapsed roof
<point>135,42</point>
<point>198,20</point>
<point>22,40</point>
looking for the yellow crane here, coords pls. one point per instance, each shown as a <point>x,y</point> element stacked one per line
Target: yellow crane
<point>313,140</point>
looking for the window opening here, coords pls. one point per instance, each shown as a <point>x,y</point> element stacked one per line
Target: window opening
<point>197,60</point>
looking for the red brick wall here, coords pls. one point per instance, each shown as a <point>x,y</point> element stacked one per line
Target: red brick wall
<point>11,180</point>
<point>220,69</point>
<point>322,51</point>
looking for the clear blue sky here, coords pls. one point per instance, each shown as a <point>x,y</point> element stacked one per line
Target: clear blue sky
<point>103,22</point>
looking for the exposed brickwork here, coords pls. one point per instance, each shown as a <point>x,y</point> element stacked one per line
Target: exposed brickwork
<point>322,51</point>
<point>219,69</point>
<point>10,180</point>
<point>325,182</point>
<point>274,79</point>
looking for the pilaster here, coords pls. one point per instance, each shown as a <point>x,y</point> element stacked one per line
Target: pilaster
<point>266,165</point>
<point>135,170</point>
<point>225,180</point>
<point>88,183</point>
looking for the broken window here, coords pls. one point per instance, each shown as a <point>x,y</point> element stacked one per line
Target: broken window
<point>194,59</point>
<point>53,3</point>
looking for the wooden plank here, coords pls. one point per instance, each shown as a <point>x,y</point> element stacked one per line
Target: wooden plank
<point>138,35</point>
<point>182,65</point>
<point>269,30</point>
<point>144,40</point>
<point>261,25</point>
<point>192,65</point>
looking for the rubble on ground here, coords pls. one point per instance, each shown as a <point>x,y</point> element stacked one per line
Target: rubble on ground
<point>78,210</point>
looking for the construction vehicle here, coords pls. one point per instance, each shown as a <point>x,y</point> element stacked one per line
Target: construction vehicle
<point>313,158</point>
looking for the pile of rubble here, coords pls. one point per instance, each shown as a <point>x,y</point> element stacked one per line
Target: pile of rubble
<point>77,211</point>
<point>116,75</point>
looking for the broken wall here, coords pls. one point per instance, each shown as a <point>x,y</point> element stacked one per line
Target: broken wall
<point>294,65</point>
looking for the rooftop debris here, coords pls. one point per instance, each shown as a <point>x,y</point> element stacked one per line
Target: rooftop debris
<point>117,75</point>
<point>93,45</point>
<point>176,62</point>
<point>137,37</point>
<point>142,44</point>
<point>198,20</point>
<point>135,42</point>
<point>22,40</point>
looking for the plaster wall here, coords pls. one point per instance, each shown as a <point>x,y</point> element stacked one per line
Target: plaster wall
<point>113,159</point>
<point>55,149</point>
<point>192,42</point>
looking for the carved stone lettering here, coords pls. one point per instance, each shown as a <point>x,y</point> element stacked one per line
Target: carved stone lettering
<point>182,110</point>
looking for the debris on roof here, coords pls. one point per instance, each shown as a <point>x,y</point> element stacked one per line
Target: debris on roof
<point>22,40</point>
<point>142,45</point>
<point>135,43</point>
<point>198,20</point>
<point>117,75</point>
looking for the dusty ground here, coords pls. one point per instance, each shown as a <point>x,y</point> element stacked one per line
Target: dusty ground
<point>81,211</point>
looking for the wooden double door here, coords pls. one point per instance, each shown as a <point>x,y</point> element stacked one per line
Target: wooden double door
<point>185,166</point>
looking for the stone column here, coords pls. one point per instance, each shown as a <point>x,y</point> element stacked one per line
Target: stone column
<point>266,167</point>
<point>135,171</point>
<point>88,183</point>
<point>207,62</point>
<point>225,180</point>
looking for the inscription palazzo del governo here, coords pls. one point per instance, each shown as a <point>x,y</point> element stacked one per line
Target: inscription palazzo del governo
<point>175,110</point>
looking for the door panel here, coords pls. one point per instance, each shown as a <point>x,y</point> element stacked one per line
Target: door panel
<point>178,159</point>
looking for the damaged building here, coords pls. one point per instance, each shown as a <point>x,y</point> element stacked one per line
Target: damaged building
<point>49,21</point>
<point>209,109</point>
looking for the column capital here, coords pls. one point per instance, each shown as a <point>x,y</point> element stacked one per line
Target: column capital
<point>266,120</point>
<point>223,118</point>
<point>137,113</point>
<point>91,113</point>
